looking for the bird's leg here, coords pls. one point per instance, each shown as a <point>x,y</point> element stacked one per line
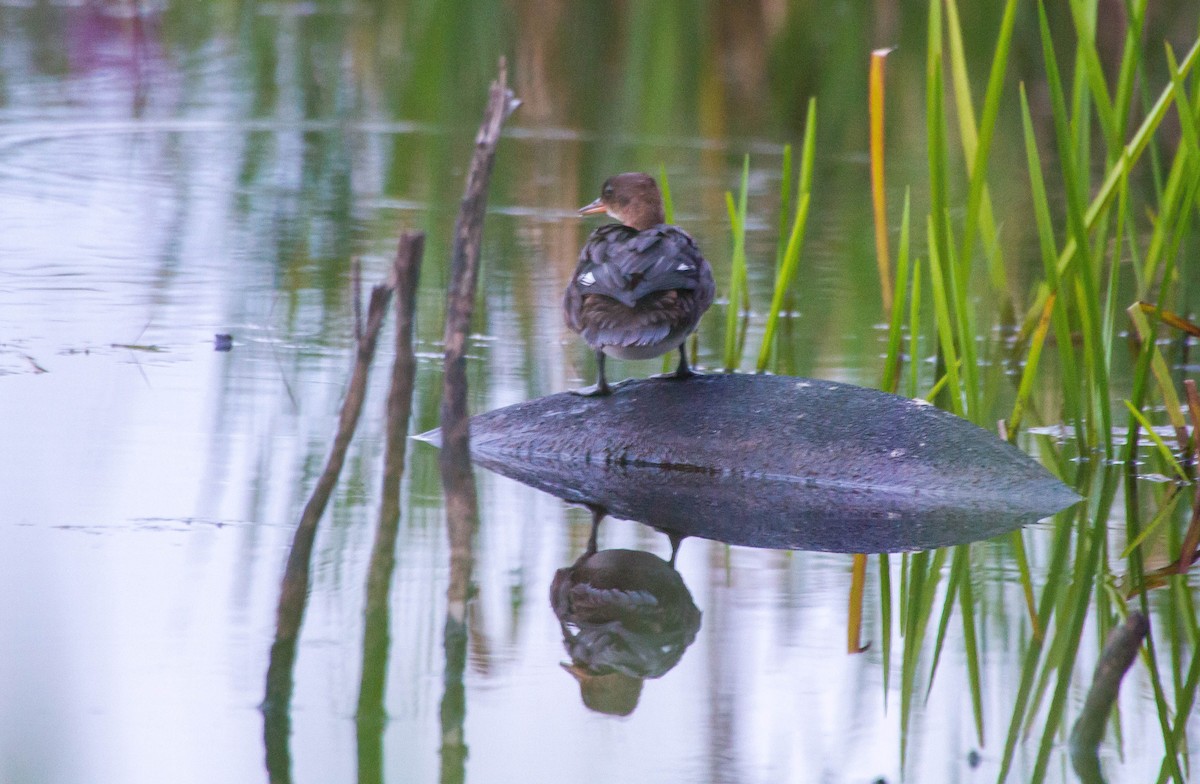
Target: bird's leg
<point>601,386</point>
<point>676,540</point>
<point>598,513</point>
<point>684,370</point>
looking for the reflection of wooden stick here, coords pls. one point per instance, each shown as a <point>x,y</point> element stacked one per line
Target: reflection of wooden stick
<point>293,594</point>
<point>458,481</point>
<point>457,478</point>
<point>1122,646</point>
<point>376,640</point>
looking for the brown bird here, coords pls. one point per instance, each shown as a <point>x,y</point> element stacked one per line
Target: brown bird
<point>641,285</point>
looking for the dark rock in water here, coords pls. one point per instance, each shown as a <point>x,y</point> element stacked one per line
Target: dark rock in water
<point>773,461</point>
<point>222,342</point>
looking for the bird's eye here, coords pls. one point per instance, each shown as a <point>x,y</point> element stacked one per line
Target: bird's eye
<point>607,192</point>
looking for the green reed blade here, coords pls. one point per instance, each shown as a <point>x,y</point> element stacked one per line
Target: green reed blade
<point>976,148</point>
<point>1070,647</point>
<point>958,589</point>
<point>1183,712</point>
<point>935,129</point>
<point>963,312</point>
<point>737,267</point>
<point>1131,57</point>
<point>1019,555</point>
<point>785,205</point>
<point>664,185</point>
<point>1085,35</point>
<point>939,639</point>
<point>1149,654</point>
<point>891,365</point>
<point>1163,514</point>
<point>1162,373</point>
<point>1163,450</point>
<point>914,329</point>
<point>1190,136</point>
<point>1131,153</point>
<point>783,281</point>
<point>1058,557</point>
<point>944,323</point>
<point>1025,388</point>
<point>791,256</point>
<point>922,590</point>
<point>915,578</point>
<point>885,621</point>
<point>1171,202</point>
<point>1125,162</point>
<point>966,599</point>
<point>1108,331</point>
<point>937,388</point>
<point>1095,363</point>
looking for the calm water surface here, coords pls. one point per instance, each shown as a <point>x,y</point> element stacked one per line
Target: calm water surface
<point>170,172</point>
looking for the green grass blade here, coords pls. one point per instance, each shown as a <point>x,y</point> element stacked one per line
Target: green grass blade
<point>1029,373</point>
<point>885,621</point>
<point>939,639</point>
<point>944,323</point>
<point>1163,450</point>
<point>966,600</point>
<point>1085,34</point>
<point>978,148</point>
<point>1132,152</point>
<point>664,185</point>
<point>737,267</point>
<point>914,330</point>
<point>1158,366</point>
<point>1088,296</point>
<point>1163,514</point>
<point>891,366</point>
<point>785,205</point>
<point>791,256</point>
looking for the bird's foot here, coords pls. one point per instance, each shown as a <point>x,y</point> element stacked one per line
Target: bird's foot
<point>593,390</point>
<point>677,375</point>
<point>600,390</point>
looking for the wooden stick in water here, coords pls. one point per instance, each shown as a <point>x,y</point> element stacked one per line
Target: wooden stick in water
<point>293,594</point>
<point>458,480</point>
<point>406,272</point>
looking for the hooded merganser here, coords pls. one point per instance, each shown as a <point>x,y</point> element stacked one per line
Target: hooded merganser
<point>641,285</point>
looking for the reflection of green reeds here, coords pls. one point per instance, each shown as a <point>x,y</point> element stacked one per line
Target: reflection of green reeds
<point>1065,349</point>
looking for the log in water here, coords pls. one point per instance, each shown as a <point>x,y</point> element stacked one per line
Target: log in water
<point>773,461</point>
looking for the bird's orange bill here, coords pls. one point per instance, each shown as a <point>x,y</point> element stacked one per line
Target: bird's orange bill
<point>593,208</point>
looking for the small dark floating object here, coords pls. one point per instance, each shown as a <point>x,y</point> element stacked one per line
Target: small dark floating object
<point>773,461</point>
<point>222,342</point>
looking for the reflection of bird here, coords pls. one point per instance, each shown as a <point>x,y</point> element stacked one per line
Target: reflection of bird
<point>626,615</point>
<point>641,286</point>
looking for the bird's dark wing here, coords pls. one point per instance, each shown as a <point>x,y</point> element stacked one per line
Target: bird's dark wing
<point>626,265</point>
